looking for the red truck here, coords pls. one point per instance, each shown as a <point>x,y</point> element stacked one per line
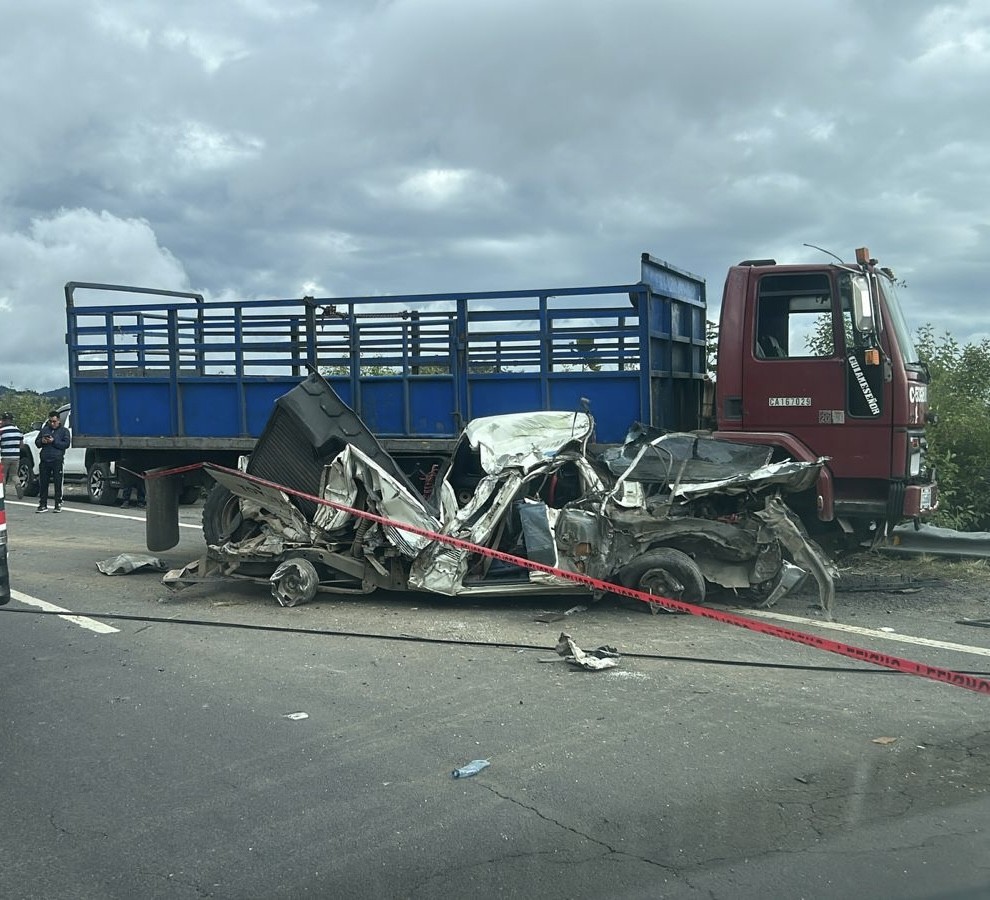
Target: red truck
<point>816,360</point>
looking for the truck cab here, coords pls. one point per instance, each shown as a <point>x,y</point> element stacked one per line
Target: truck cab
<point>817,361</point>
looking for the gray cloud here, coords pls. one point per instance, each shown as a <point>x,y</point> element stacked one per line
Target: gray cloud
<point>261,148</point>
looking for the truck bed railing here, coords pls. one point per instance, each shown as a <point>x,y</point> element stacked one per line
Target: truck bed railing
<point>412,366</point>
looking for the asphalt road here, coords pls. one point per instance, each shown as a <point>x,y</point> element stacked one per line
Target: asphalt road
<point>163,759</point>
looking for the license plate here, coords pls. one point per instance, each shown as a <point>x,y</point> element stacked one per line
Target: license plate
<point>926,498</point>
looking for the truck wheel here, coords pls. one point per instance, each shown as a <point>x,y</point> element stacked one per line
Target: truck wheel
<point>295,581</point>
<point>26,476</point>
<point>667,573</point>
<point>98,485</point>
<point>222,520</point>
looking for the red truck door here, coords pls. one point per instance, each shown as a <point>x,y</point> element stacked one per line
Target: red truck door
<point>804,374</point>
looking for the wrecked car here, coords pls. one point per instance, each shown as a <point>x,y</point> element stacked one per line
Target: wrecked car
<point>667,514</point>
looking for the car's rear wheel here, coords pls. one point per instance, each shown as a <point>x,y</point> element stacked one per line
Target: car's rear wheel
<point>26,476</point>
<point>295,581</point>
<point>665,572</point>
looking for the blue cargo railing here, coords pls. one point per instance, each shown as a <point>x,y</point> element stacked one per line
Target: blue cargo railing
<point>197,372</point>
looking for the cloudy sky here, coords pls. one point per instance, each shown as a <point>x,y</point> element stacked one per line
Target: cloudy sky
<point>274,148</point>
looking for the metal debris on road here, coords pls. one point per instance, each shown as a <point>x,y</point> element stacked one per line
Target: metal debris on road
<point>126,563</point>
<point>594,660</point>
<point>547,618</point>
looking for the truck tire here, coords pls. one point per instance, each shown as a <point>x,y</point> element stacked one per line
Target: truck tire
<point>25,473</point>
<point>98,485</point>
<point>222,520</point>
<point>667,573</point>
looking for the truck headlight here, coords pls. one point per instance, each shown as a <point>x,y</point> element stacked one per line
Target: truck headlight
<point>916,454</point>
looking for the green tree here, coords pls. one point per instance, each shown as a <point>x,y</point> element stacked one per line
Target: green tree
<point>711,346</point>
<point>28,407</point>
<point>959,394</point>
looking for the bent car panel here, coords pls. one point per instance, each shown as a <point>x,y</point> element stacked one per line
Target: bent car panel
<point>525,485</point>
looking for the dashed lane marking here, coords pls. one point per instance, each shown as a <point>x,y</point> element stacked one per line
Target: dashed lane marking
<point>81,621</point>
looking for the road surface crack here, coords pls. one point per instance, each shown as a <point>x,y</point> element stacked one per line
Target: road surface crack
<point>603,844</point>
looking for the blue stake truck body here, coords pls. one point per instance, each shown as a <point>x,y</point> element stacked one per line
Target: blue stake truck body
<point>166,379</point>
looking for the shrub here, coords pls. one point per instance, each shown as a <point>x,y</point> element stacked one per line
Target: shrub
<point>959,445</point>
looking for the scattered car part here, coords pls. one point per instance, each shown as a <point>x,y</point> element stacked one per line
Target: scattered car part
<point>294,581</point>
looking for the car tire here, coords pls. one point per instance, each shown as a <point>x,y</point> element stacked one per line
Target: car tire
<point>295,581</point>
<point>98,485</point>
<point>222,520</point>
<point>667,573</point>
<point>25,474</point>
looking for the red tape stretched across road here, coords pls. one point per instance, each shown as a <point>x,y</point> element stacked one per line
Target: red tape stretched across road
<point>975,683</point>
<point>4,568</point>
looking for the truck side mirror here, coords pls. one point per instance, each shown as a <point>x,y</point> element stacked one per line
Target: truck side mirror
<point>863,306</point>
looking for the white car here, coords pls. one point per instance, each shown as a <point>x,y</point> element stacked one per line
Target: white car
<point>99,483</point>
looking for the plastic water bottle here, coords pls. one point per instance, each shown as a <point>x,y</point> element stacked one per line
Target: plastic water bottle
<point>472,768</point>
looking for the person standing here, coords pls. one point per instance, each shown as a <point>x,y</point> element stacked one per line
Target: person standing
<point>132,483</point>
<point>11,439</point>
<point>54,440</point>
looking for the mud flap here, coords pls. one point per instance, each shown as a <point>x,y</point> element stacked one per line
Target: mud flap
<point>162,517</point>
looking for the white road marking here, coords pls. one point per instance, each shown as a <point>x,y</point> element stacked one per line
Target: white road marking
<point>869,632</point>
<point>82,621</point>
<point>96,512</point>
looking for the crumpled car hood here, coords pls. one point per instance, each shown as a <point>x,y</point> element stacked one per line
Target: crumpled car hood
<point>525,440</point>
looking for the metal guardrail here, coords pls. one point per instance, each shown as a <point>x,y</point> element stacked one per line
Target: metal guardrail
<point>935,541</point>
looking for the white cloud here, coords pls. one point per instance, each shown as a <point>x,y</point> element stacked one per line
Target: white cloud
<point>70,245</point>
<point>211,50</point>
<point>366,146</point>
<point>121,27</point>
<point>200,146</point>
<point>437,187</point>
<point>956,36</point>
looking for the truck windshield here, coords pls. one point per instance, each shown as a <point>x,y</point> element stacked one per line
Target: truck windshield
<point>895,318</point>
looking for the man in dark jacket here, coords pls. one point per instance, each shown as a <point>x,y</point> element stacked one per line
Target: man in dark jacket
<point>54,440</point>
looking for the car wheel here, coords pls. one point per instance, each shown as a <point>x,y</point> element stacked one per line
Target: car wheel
<point>295,581</point>
<point>222,520</point>
<point>665,572</point>
<point>26,476</point>
<point>98,485</point>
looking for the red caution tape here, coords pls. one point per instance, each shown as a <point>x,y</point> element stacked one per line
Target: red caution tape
<point>4,568</point>
<point>3,509</point>
<point>975,683</point>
